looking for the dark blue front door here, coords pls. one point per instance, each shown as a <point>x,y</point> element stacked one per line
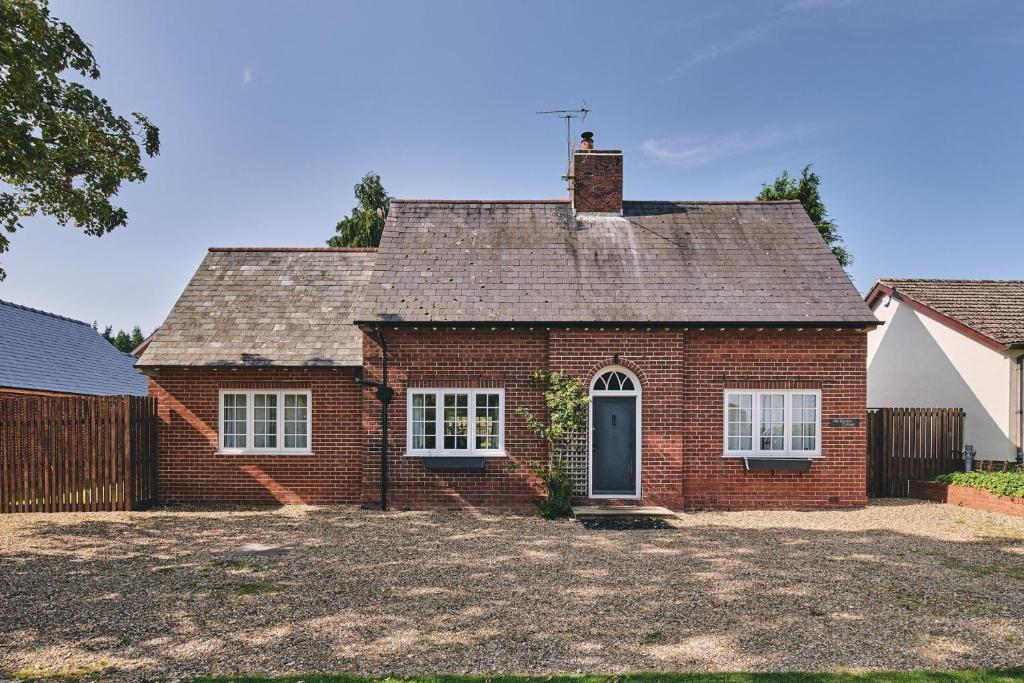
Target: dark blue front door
<point>614,446</point>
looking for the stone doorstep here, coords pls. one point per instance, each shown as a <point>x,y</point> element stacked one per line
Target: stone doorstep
<point>620,511</point>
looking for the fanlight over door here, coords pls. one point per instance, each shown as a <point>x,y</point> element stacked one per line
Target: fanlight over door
<point>613,380</point>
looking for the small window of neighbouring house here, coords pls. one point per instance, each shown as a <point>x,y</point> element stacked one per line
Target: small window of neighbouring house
<point>265,421</point>
<point>772,422</point>
<point>456,422</point>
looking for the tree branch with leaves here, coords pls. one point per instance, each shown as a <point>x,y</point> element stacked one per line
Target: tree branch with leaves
<point>806,190</point>
<point>364,227</point>
<point>64,152</point>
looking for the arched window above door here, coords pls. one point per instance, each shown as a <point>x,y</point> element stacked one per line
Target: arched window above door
<point>614,380</point>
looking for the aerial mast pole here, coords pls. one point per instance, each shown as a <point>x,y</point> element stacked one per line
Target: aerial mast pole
<point>569,115</point>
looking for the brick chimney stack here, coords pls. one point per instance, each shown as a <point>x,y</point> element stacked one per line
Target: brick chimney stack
<point>596,178</point>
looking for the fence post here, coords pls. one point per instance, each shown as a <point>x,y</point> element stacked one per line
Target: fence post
<point>4,405</point>
<point>129,456</point>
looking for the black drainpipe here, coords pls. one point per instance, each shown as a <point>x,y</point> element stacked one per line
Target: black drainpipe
<point>384,394</point>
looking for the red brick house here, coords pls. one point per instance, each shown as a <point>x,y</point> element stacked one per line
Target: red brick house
<point>723,346</point>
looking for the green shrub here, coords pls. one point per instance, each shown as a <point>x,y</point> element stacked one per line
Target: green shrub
<point>999,483</point>
<point>558,485</point>
<point>566,401</point>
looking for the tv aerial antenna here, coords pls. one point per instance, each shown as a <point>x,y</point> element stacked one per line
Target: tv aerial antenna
<point>568,115</point>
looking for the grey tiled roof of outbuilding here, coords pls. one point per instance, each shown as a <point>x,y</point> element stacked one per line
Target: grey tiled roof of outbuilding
<point>995,308</point>
<point>266,307</point>
<point>671,262</point>
<point>41,351</point>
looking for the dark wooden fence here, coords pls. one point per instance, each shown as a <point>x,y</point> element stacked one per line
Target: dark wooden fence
<point>77,454</point>
<point>905,444</point>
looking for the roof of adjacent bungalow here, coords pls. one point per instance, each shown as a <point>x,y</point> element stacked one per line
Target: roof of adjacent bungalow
<point>672,262</point>
<point>266,307</point>
<point>44,352</point>
<point>990,309</point>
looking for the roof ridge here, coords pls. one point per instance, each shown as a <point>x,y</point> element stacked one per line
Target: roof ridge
<point>567,201</point>
<point>947,279</point>
<point>351,250</point>
<point>47,313</point>
<point>479,201</point>
<point>711,201</point>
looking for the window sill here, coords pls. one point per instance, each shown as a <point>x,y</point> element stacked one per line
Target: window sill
<point>269,452</point>
<point>455,454</point>
<point>774,456</point>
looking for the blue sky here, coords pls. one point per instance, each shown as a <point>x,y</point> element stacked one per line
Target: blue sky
<point>911,112</point>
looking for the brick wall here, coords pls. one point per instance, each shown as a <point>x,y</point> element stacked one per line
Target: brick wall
<point>191,471</point>
<point>833,360</point>
<point>967,496</point>
<point>683,375</point>
<point>442,359</point>
<point>597,181</point>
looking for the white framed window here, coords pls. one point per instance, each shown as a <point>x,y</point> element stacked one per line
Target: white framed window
<point>772,422</point>
<point>265,421</point>
<point>456,422</point>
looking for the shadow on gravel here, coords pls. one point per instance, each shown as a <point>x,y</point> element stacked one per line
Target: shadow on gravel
<point>165,594</point>
<point>971,676</point>
<point>627,524</point>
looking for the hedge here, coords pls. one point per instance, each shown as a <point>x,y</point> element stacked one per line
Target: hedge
<point>999,483</point>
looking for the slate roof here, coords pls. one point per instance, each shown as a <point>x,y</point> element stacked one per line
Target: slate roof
<point>266,307</point>
<point>995,308</point>
<point>671,262</point>
<point>41,351</point>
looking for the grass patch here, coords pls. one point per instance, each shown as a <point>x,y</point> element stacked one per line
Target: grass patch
<point>966,676</point>
<point>1001,532</point>
<point>256,589</point>
<point>999,483</point>
<point>236,564</point>
<point>74,671</point>
<point>1011,571</point>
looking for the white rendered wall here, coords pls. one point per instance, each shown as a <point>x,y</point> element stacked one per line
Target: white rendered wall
<point>915,361</point>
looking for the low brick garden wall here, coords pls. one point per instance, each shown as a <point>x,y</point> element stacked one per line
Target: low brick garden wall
<point>968,497</point>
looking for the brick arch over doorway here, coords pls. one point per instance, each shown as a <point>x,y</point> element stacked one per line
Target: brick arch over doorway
<point>600,367</point>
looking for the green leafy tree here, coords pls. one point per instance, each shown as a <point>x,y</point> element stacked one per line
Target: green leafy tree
<point>63,151</point>
<point>123,341</point>
<point>136,338</point>
<point>806,190</point>
<point>364,227</point>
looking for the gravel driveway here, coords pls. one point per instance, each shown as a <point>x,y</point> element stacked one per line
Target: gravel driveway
<point>166,594</point>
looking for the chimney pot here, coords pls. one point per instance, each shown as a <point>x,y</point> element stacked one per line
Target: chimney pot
<point>588,141</point>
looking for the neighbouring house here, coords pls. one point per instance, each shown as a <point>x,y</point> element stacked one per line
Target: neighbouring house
<point>954,344</point>
<point>723,347</point>
<point>46,354</point>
